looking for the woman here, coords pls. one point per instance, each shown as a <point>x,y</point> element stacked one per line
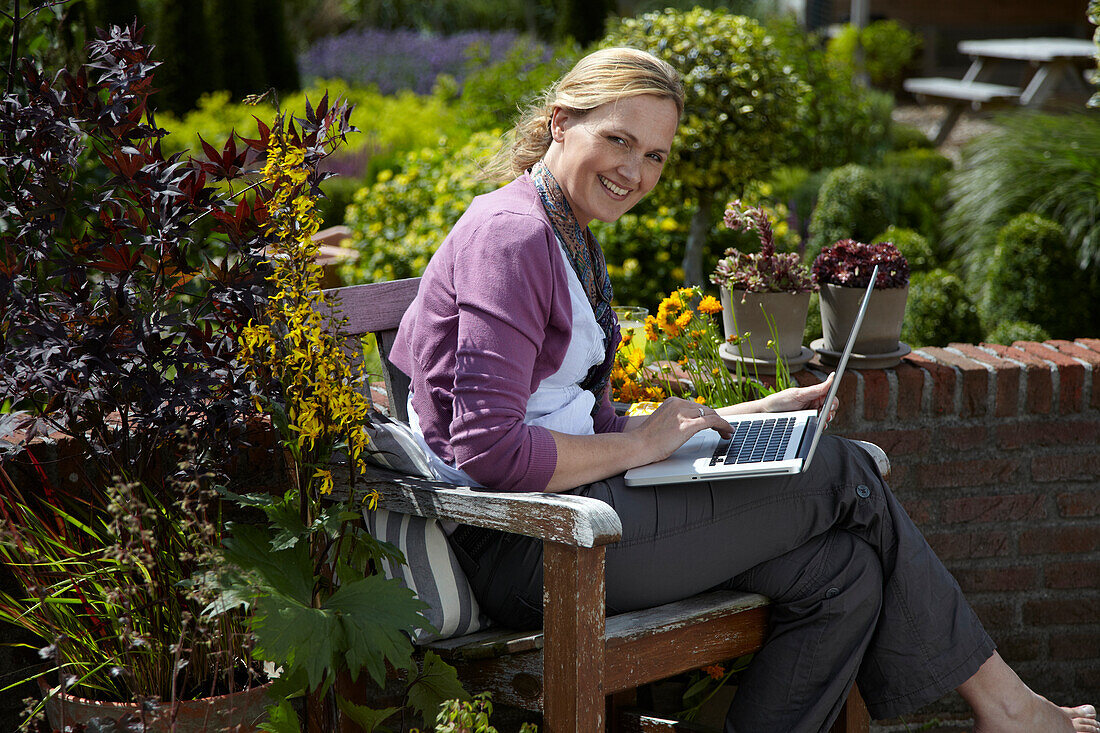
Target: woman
<point>508,346</point>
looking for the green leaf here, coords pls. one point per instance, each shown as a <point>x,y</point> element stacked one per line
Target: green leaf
<point>367,718</point>
<point>375,614</point>
<point>437,683</point>
<point>281,718</point>
<point>304,640</point>
<point>288,572</point>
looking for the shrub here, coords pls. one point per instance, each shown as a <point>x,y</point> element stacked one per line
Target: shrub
<point>399,221</point>
<point>495,90</point>
<point>888,49</point>
<point>939,310</point>
<point>850,123</point>
<point>850,205</point>
<point>914,247</point>
<point>914,182</point>
<point>401,59</point>
<point>1045,164</point>
<point>1032,277</point>
<point>1009,332</point>
<point>907,137</point>
<point>741,113</point>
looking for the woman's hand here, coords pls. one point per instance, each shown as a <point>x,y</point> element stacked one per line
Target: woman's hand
<point>801,398</point>
<point>672,424</point>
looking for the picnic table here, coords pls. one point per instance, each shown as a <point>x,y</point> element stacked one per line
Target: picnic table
<point>1053,59</point>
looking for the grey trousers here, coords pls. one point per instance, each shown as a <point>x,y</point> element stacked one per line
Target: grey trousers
<point>858,594</point>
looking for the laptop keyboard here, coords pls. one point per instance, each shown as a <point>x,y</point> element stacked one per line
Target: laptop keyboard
<point>755,441</point>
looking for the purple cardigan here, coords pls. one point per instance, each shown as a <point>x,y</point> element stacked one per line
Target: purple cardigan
<point>491,320</point>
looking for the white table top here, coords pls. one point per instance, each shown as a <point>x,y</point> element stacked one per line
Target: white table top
<point>1030,49</point>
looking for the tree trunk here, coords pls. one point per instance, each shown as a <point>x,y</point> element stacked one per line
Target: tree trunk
<point>697,238</point>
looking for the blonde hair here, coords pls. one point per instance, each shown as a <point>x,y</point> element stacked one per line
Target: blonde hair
<point>603,76</point>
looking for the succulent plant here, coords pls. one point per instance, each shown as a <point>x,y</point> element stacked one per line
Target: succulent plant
<point>766,271</point>
<point>849,263</point>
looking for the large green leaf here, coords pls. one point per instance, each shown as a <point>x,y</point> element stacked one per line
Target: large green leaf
<point>366,718</point>
<point>302,639</point>
<point>437,683</point>
<point>375,615</point>
<point>281,718</point>
<point>288,572</point>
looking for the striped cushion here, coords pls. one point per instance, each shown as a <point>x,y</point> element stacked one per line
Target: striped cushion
<point>432,572</point>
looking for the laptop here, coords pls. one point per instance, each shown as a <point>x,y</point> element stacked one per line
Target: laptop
<point>763,444</point>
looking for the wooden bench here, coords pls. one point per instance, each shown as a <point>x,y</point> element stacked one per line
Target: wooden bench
<point>581,670</point>
<point>958,94</point>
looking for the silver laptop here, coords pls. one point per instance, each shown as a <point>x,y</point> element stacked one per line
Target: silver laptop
<point>763,444</point>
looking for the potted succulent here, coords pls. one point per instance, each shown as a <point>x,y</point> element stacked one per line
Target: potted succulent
<point>765,297</point>
<point>843,272</point>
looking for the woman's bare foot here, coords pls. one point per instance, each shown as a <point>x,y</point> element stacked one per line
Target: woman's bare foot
<point>1002,703</point>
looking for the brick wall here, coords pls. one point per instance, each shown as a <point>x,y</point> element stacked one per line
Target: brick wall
<point>995,453</point>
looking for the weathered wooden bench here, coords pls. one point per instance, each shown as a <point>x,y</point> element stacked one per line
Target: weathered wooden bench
<point>581,670</point>
<point>958,95</point>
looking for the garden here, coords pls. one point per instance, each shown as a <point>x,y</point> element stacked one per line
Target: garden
<point>164,181</point>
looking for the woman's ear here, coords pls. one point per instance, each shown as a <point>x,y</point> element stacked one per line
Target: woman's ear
<point>559,121</point>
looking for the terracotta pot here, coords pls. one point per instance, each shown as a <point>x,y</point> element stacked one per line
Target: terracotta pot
<point>787,310</point>
<point>238,712</point>
<point>881,329</point>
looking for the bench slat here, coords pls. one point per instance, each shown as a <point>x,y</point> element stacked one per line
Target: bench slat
<point>959,90</point>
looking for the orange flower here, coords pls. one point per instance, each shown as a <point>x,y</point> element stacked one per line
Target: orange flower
<point>715,671</point>
<point>709,305</point>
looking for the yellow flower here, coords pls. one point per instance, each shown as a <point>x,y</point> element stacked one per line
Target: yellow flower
<point>710,305</point>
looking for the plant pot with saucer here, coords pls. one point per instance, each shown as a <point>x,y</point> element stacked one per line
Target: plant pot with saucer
<point>842,271</point>
<point>765,299</point>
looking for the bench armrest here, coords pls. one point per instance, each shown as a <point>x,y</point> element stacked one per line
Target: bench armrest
<point>577,521</point>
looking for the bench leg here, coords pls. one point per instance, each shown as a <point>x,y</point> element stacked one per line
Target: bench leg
<point>573,628</point>
<point>854,717</point>
<point>943,129</point>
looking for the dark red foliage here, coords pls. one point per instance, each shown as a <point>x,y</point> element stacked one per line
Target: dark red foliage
<point>849,263</point>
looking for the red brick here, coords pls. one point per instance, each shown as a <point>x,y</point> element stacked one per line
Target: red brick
<point>973,580</point>
<point>1075,645</point>
<point>901,442</point>
<point>1071,375</point>
<point>993,508</point>
<point>963,439</point>
<point>1006,374</point>
<point>1062,611</point>
<point>919,510</point>
<point>876,394</point>
<point>995,614</point>
<point>1039,385</point>
<point>1080,503</point>
<point>910,390</point>
<point>847,393</point>
<point>1060,540</point>
<point>975,380</point>
<point>957,474</point>
<point>806,378</point>
<point>1073,467</point>
<point>1086,355</point>
<point>1013,436</point>
<point>943,382</point>
<point>957,545</point>
<point>1019,647</point>
<point>1073,575</point>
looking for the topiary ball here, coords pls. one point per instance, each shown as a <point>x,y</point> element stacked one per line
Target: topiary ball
<point>1009,332</point>
<point>940,310</point>
<point>850,205</point>
<point>1032,276</point>
<point>912,245</point>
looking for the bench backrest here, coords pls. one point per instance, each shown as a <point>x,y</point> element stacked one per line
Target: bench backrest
<point>376,308</point>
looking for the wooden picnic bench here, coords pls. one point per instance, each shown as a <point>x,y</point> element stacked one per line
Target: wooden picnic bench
<point>1053,58</point>
<point>583,668</point>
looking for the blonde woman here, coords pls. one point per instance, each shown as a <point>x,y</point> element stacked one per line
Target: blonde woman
<point>509,346</point>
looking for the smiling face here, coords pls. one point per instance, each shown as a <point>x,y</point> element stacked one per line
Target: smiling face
<point>608,158</point>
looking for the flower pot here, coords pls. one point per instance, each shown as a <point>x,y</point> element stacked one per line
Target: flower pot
<point>743,312</point>
<point>880,334</point>
<point>240,712</point>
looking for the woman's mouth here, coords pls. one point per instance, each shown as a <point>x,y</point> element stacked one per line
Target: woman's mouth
<point>612,187</point>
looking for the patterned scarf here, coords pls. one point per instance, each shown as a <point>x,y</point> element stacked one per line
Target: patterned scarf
<point>587,260</point>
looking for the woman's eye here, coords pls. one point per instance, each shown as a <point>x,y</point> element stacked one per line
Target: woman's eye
<point>655,157</point>
<point>616,140</point>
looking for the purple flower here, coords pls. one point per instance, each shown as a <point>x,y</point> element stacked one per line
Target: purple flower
<point>849,263</point>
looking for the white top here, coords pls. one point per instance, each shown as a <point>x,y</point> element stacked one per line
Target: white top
<point>559,403</point>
